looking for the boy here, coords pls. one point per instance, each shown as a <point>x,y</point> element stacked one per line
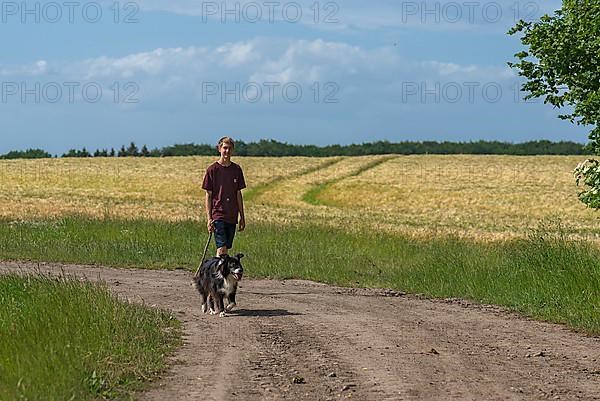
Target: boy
<point>223,182</point>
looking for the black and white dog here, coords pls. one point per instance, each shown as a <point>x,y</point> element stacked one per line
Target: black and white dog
<point>217,279</point>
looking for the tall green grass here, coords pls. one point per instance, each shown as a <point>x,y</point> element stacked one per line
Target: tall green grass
<point>544,276</point>
<point>64,339</point>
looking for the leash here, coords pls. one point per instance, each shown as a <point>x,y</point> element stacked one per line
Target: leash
<point>204,254</point>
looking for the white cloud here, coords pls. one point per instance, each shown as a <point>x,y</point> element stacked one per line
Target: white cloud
<point>311,61</point>
<point>175,74</point>
<point>40,67</point>
<point>471,71</point>
<point>237,54</point>
<point>450,68</point>
<point>155,62</point>
<point>167,62</point>
<point>259,59</point>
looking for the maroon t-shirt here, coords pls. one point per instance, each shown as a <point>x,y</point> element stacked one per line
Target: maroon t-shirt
<point>224,182</point>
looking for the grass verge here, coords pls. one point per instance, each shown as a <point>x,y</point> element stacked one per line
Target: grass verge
<point>64,339</point>
<point>544,276</point>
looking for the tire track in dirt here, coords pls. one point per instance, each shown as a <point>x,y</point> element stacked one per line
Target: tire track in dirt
<point>312,195</point>
<point>258,190</point>
<point>297,340</point>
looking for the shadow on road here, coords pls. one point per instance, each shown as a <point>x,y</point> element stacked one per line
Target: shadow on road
<point>263,312</point>
<point>277,293</point>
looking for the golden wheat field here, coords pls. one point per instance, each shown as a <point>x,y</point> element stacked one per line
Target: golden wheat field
<point>480,197</point>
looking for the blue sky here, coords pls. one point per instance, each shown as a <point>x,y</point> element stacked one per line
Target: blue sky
<point>164,72</point>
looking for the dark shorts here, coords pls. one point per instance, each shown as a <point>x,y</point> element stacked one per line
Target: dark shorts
<point>224,233</point>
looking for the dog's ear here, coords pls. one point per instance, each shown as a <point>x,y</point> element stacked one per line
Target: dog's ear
<point>239,256</point>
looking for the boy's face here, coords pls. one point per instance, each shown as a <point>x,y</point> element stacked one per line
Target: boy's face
<point>226,150</point>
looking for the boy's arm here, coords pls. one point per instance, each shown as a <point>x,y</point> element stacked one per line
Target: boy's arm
<point>240,202</point>
<point>208,207</point>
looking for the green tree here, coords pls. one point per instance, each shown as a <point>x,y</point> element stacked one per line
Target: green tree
<point>27,154</point>
<point>132,150</point>
<point>70,153</point>
<point>561,63</point>
<point>77,153</point>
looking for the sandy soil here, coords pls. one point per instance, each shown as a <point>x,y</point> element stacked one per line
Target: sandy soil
<point>299,340</point>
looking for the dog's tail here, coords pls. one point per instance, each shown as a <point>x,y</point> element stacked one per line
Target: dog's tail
<point>196,281</point>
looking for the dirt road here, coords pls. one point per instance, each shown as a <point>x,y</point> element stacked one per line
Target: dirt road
<point>298,340</point>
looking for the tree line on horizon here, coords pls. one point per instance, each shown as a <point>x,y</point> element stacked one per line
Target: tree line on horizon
<point>275,148</point>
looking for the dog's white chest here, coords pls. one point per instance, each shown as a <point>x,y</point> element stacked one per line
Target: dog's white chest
<point>229,286</point>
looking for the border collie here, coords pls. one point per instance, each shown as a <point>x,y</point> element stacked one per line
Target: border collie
<point>218,278</point>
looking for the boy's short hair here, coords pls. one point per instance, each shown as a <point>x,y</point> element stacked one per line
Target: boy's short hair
<point>226,139</point>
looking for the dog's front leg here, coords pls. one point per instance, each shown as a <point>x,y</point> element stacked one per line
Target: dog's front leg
<point>212,304</point>
<point>220,306</point>
<point>230,301</point>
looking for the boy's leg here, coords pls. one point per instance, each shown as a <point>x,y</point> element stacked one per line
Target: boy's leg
<point>224,234</point>
<point>230,233</point>
<point>220,237</point>
<point>230,230</point>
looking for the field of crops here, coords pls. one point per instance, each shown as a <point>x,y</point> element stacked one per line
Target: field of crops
<point>166,189</point>
<point>480,197</point>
